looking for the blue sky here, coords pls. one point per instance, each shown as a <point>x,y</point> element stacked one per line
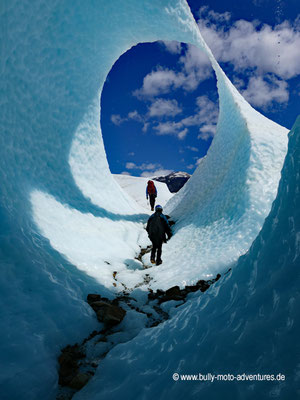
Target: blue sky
<point>160,103</point>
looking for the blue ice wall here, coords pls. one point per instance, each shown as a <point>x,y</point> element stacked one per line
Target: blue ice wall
<point>246,323</point>
<point>54,59</point>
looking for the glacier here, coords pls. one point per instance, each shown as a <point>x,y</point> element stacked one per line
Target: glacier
<point>63,215</point>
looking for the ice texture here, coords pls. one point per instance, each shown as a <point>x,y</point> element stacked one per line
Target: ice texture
<point>248,322</point>
<point>66,224</point>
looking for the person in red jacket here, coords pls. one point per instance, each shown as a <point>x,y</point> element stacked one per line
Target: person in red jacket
<point>151,192</point>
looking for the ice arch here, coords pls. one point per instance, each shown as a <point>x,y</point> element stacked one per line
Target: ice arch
<point>55,57</point>
<point>222,208</point>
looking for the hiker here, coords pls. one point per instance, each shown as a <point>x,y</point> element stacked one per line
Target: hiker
<point>152,193</point>
<point>158,227</point>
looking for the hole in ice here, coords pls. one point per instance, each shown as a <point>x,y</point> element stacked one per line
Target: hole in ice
<point>219,206</point>
<point>159,109</point>
<point>158,114</point>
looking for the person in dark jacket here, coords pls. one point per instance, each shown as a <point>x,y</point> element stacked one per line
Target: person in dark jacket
<point>152,193</point>
<point>158,227</point>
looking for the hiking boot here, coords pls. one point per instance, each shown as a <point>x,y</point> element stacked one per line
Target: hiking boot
<point>152,209</point>
<point>158,262</point>
<point>152,261</point>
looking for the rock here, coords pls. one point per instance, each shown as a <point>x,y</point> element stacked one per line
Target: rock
<point>79,380</point>
<point>192,288</point>
<point>98,304</point>
<point>203,285</point>
<point>68,361</point>
<point>155,295</point>
<point>174,293</point>
<point>108,313</point>
<point>173,290</point>
<point>115,302</point>
<point>93,297</point>
<point>174,181</point>
<point>67,370</point>
<point>152,296</point>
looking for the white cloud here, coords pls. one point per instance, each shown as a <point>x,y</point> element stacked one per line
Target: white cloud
<point>172,46</point>
<point>262,92</point>
<point>208,110</point>
<point>206,117</point>
<point>156,173</point>
<point>190,166</point>
<point>130,165</point>
<point>159,108</point>
<point>257,51</point>
<point>252,45</point>
<point>162,107</point>
<point>132,115</point>
<point>254,50</point>
<point>126,173</point>
<point>145,127</point>
<point>144,166</point>
<point>170,128</point>
<point>195,68</point>
<point>192,148</point>
<point>158,82</point>
<point>117,119</point>
<point>206,132</point>
<point>213,15</point>
<point>182,134</point>
<point>131,153</point>
<point>149,169</point>
<point>198,162</point>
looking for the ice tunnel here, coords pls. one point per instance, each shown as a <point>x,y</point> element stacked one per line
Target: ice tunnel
<point>66,223</point>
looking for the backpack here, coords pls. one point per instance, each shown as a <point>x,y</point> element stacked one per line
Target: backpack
<point>151,188</point>
<point>156,229</point>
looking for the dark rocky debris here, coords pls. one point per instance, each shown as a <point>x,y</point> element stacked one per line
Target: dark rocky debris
<point>175,293</point>
<point>107,312</point>
<point>76,367</point>
<point>175,181</point>
<point>143,252</point>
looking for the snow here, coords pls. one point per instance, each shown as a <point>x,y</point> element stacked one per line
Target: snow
<point>96,245</point>
<point>136,188</point>
<point>89,241</point>
<point>67,224</point>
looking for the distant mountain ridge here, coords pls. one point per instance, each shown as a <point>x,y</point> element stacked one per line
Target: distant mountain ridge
<point>174,181</point>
